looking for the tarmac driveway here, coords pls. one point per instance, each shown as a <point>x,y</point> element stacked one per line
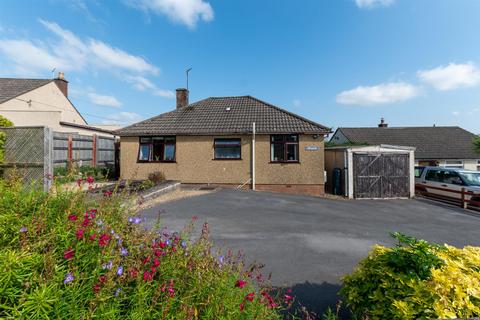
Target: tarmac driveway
<point>309,243</point>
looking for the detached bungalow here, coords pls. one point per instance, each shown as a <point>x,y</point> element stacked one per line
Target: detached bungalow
<point>231,141</point>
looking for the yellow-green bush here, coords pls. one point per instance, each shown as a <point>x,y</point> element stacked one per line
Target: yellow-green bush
<point>415,280</point>
<point>4,122</point>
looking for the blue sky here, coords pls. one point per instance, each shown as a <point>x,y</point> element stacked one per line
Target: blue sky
<point>337,62</point>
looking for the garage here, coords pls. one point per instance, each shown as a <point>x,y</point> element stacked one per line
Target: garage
<point>370,172</point>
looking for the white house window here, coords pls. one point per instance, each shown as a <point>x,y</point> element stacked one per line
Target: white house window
<point>478,165</point>
<point>457,164</point>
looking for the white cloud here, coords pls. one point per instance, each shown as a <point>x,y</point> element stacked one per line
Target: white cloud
<point>297,103</point>
<point>104,100</point>
<point>452,76</point>
<point>369,4</point>
<point>143,84</point>
<point>68,52</point>
<point>456,113</point>
<point>384,93</point>
<point>187,12</point>
<point>123,118</point>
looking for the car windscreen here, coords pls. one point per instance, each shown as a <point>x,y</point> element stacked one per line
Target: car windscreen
<point>471,178</point>
<point>418,171</point>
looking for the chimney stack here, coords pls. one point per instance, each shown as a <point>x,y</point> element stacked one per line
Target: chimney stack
<point>61,83</point>
<point>383,124</point>
<point>182,98</point>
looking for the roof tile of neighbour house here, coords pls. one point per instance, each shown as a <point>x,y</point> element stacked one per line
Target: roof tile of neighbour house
<point>11,87</point>
<point>430,142</point>
<point>224,115</point>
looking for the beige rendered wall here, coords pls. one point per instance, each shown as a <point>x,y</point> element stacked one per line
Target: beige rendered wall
<point>195,164</point>
<point>49,106</point>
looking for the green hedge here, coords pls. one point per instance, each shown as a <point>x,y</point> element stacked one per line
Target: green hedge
<point>415,280</point>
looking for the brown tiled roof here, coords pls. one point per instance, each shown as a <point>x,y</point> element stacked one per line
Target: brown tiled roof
<point>225,115</point>
<point>430,142</point>
<point>11,87</point>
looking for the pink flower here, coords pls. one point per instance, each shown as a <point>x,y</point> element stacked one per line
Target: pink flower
<point>79,234</point>
<point>93,237</point>
<point>79,182</point>
<point>242,306</point>
<point>288,298</point>
<point>69,254</point>
<point>102,279</point>
<point>250,296</point>
<point>147,276</point>
<point>72,217</point>
<point>133,272</point>
<point>86,222</point>
<point>107,194</point>
<point>240,284</point>
<point>96,288</point>
<point>104,240</point>
<point>90,180</point>
<point>156,262</point>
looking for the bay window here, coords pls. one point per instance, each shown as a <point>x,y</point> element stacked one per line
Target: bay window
<point>284,148</point>
<point>157,149</point>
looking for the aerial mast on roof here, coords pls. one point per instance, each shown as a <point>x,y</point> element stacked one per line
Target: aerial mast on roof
<point>188,70</point>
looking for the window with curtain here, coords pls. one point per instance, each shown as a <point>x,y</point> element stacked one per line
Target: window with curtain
<point>284,148</point>
<point>228,149</point>
<point>157,149</point>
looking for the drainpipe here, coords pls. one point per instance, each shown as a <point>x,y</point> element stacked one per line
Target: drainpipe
<point>253,156</point>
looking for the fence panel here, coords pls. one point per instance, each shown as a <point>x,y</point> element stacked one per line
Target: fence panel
<point>105,151</point>
<point>28,150</point>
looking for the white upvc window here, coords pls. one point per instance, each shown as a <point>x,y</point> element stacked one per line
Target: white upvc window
<point>478,165</point>
<point>457,164</point>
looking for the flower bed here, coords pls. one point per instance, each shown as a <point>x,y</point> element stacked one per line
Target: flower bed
<point>66,255</point>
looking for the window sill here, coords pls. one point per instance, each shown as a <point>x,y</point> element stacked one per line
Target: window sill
<point>156,161</point>
<point>233,159</point>
<point>284,162</point>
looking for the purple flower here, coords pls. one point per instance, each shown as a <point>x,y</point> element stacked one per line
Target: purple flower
<point>108,265</point>
<point>119,271</point>
<point>184,244</point>
<point>221,259</point>
<point>135,220</point>
<point>167,242</point>
<point>124,252</point>
<point>68,278</point>
<point>120,242</point>
<point>117,292</point>
<point>99,222</point>
<point>23,229</point>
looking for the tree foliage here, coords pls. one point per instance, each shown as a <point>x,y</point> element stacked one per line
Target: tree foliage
<point>476,144</point>
<point>4,122</point>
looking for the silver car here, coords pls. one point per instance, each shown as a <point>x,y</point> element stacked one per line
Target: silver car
<point>449,183</point>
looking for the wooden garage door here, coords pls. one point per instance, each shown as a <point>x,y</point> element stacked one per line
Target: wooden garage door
<point>381,175</point>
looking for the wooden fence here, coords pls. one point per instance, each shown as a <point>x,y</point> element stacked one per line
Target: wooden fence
<point>35,151</point>
<point>464,198</point>
<point>82,150</point>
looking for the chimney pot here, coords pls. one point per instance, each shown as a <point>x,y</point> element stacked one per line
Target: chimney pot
<point>383,124</point>
<point>182,98</point>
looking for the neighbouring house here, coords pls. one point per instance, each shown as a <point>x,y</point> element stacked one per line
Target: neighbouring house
<point>434,146</point>
<point>44,102</point>
<point>231,141</point>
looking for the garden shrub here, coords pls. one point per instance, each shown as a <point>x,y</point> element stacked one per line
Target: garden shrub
<point>64,174</point>
<point>73,255</point>
<point>415,280</point>
<point>156,177</point>
<point>4,122</point>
